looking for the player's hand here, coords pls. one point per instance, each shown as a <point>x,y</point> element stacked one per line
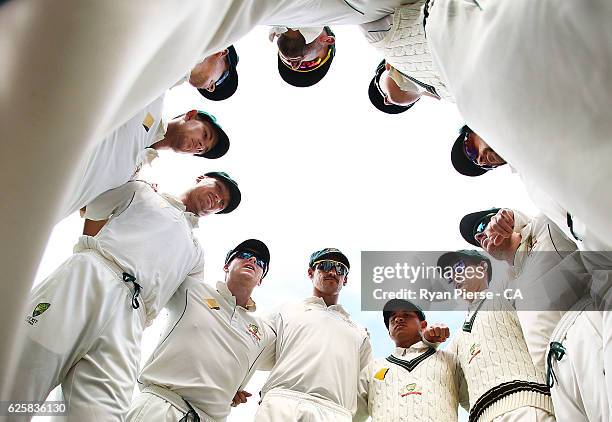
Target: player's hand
<point>240,397</point>
<point>501,226</point>
<point>436,333</point>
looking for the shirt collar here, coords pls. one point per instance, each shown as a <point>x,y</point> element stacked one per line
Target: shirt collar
<point>225,292</point>
<point>192,219</point>
<point>160,133</point>
<point>313,300</point>
<point>418,347</point>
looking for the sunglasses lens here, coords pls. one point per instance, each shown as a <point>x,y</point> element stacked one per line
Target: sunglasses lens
<point>328,265</point>
<point>470,150</point>
<point>248,255</point>
<point>459,264</point>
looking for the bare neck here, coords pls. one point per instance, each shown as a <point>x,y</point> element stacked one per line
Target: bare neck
<point>241,292</point>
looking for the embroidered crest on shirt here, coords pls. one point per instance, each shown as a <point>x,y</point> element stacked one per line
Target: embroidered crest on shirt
<point>212,304</point>
<point>381,374</point>
<point>254,332</point>
<point>474,351</point>
<point>410,389</point>
<point>38,310</point>
<point>148,121</point>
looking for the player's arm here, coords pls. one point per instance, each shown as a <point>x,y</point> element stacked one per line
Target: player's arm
<point>435,334</point>
<point>365,352</point>
<point>363,390</point>
<point>111,202</point>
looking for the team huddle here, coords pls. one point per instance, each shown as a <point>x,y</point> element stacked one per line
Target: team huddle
<point>545,358</point>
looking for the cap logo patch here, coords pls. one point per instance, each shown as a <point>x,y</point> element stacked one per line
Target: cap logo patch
<point>212,304</point>
<point>380,375</point>
<point>147,123</point>
<point>410,389</point>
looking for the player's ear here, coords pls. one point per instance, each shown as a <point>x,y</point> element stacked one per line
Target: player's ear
<point>310,273</point>
<point>423,325</point>
<point>345,280</point>
<point>191,114</point>
<point>226,268</point>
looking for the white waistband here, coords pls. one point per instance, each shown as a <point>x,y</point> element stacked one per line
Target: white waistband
<point>281,392</point>
<point>119,273</point>
<point>175,400</point>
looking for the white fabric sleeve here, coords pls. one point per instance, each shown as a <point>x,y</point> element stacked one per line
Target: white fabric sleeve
<point>377,31</point>
<point>363,390</point>
<point>111,202</point>
<point>272,325</point>
<point>365,352</point>
<point>520,220</point>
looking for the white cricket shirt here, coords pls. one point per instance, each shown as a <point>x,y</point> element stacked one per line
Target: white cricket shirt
<point>319,351</point>
<point>116,159</point>
<point>416,383</point>
<point>210,347</point>
<point>150,237</point>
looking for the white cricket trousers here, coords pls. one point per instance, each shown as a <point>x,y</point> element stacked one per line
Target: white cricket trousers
<point>87,338</point>
<point>158,404</point>
<point>279,405</point>
<point>525,414</point>
<point>575,366</point>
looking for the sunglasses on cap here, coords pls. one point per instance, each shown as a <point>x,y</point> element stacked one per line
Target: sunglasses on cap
<point>327,264</point>
<point>248,255</point>
<point>471,152</point>
<point>310,65</point>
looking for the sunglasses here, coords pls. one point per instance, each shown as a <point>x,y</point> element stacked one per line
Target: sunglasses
<point>248,255</point>
<point>310,65</point>
<point>328,264</point>
<point>471,152</point>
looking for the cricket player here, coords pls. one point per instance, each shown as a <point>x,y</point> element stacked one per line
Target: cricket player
<point>218,340</point>
<point>85,321</point>
<point>550,90</point>
<point>304,54</point>
<point>119,157</point>
<point>535,255</point>
<point>130,65</point>
<point>416,382</point>
<point>319,351</point>
<point>575,365</point>
<point>215,77</point>
<point>407,72</point>
<point>500,377</point>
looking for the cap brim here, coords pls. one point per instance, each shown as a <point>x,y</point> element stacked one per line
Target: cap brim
<point>303,79</point>
<point>394,305</point>
<point>220,148</point>
<point>469,221</point>
<point>225,90</point>
<point>257,247</point>
<point>235,197</point>
<point>461,162</point>
<point>378,100</point>
<point>335,256</point>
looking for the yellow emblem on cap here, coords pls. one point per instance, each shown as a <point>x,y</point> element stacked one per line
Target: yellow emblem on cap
<point>380,375</point>
<point>148,122</point>
<point>212,304</point>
